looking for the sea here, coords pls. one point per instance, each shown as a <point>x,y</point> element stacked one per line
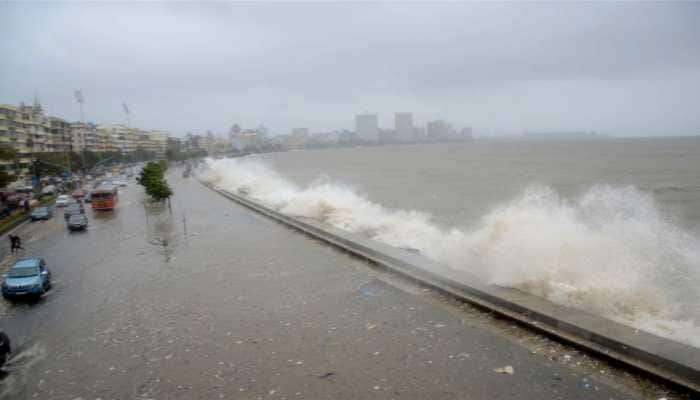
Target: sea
<point>609,226</point>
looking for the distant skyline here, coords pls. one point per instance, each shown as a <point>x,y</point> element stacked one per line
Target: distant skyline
<point>624,69</point>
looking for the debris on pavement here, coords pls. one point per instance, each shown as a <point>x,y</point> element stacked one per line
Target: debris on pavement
<point>505,370</point>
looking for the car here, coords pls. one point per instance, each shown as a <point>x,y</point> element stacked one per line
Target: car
<point>40,213</point>
<point>5,212</point>
<point>27,277</point>
<point>48,190</point>
<point>5,348</point>
<point>78,193</point>
<point>73,209</point>
<point>77,222</point>
<point>62,200</point>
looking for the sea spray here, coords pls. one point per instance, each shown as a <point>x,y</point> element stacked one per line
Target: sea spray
<point>608,251</point>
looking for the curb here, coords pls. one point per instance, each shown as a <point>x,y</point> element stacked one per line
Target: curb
<point>661,358</point>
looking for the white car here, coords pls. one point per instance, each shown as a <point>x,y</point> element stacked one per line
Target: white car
<point>62,200</point>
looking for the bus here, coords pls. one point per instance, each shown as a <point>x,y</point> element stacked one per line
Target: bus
<point>105,197</point>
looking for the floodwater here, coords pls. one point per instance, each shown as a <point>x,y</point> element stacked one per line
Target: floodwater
<point>212,301</point>
<point>609,226</point>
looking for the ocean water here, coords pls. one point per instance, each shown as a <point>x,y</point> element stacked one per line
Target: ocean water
<point>611,227</point>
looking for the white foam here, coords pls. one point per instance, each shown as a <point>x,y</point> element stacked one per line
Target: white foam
<point>609,251</point>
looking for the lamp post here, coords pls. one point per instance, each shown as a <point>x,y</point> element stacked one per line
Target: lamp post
<point>80,99</point>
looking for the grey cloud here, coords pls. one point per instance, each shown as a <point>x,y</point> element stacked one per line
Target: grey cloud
<point>502,67</point>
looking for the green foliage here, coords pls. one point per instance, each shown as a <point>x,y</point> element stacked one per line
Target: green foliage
<point>152,178</point>
<point>6,153</point>
<point>5,178</point>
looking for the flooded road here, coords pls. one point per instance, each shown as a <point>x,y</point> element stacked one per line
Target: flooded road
<point>213,301</point>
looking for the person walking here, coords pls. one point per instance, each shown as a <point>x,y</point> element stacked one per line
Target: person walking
<point>18,243</point>
<point>15,243</point>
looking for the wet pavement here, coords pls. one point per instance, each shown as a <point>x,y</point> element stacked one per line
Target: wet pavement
<point>213,301</point>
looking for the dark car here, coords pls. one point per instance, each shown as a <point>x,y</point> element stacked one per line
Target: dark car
<point>77,222</point>
<point>40,213</point>
<point>73,209</point>
<point>5,348</point>
<point>28,277</point>
<point>5,212</point>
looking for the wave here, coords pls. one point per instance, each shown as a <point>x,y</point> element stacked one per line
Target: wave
<point>609,251</point>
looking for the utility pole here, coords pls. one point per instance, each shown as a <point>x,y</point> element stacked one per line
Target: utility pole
<point>80,99</point>
<point>128,124</point>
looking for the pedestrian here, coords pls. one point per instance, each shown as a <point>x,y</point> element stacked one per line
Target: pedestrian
<point>18,243</point>
<point>12,243</point>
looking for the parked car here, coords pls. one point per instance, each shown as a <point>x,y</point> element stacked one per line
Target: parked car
<point>5,348</point>
<point>40,213</point>
<point>24,189</point>
<point>73,209</point>
<point>5,212</point>
<point>62,200</point>
<point>28,277</point>
<point>77,222</point>
<point>48,190</point>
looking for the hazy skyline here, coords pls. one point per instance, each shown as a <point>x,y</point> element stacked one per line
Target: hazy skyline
<point>623,69</point>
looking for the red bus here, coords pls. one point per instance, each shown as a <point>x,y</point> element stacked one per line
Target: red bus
<point>104,197</point>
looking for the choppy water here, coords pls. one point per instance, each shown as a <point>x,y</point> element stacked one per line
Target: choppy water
<point>611,227</point>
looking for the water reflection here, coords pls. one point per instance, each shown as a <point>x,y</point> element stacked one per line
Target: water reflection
<point>161,229</point>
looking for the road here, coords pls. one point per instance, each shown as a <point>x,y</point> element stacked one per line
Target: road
<point>213,301</point>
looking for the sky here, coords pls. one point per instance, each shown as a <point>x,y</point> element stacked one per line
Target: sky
<point>623,69</point>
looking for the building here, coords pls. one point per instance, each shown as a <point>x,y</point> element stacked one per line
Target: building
<point>59,139</point>
<point>13,134</point>
<point>367,127</point>
<point>247,139</point>
<point>191,143</point>
<point>419,133</point>
<point>158,143</point>
<point>78,136</point>
<point>324,139</point>
<point>175,145</point>
<point>466,134</point>
<point>403,127</point>
<point>438,130</point>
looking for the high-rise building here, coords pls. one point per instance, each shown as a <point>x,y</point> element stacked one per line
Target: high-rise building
<point>438,130</point>
<point>466,133</point>
<point>367,127</point>
<point>403,126</point>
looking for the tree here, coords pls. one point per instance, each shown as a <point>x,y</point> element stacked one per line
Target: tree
<point>5,178</point>
<point>6,153</point>
<point>152,178</point>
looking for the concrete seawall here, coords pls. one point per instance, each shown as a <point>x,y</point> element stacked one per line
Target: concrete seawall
<point>662,358</point>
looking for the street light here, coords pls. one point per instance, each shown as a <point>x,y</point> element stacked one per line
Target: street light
<point>80,99</point>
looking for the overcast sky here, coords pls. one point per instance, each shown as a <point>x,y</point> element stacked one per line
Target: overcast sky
<point>622,69</point>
